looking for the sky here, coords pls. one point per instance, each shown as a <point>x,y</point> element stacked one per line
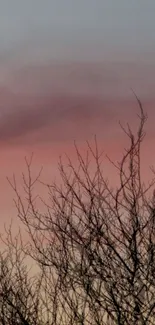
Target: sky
<point>66,69</point>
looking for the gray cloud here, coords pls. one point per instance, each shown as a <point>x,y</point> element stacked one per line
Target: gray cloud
<point>53,103</point>
<point>58,114</point>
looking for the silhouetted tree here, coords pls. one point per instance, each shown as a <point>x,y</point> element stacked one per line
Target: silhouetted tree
<point>95,244</point>
<point>20,295</point>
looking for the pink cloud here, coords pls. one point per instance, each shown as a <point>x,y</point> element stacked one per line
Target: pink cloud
<point>44,109</point>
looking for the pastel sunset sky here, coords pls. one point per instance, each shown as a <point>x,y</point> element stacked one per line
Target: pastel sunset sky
<point>66,69</point>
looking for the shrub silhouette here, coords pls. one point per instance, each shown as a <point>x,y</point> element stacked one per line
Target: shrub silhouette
<point>94,245</point>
